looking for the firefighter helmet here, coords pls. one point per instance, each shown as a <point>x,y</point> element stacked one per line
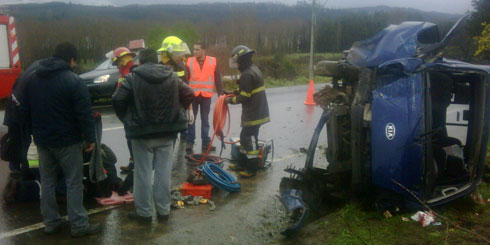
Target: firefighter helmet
<point>240,51</point>
<point>174,45</point>
<point>120,52</point>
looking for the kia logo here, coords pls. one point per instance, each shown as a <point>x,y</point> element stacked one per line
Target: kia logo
<point>390,131</point>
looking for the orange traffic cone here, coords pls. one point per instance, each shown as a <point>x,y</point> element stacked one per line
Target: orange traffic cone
<point>309,97</point>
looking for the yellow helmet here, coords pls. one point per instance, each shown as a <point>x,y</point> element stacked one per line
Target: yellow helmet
<point>174,45</point>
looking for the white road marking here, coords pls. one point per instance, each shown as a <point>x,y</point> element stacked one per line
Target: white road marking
<point>41,225</point>
<point>101,106</point>
<point>114,128</point>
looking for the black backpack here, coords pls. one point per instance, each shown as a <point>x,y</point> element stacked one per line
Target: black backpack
<point>10,148</point>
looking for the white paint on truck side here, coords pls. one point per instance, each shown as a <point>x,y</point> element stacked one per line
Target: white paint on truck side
<point>4,47</point>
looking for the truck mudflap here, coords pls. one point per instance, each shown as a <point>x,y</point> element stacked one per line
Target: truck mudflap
<point>293,202</point>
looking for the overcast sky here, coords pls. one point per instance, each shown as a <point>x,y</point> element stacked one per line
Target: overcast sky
<point>446,6</point>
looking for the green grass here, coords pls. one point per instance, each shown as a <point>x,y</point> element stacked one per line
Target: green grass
<point>353,224</point>
<point>356,224</point>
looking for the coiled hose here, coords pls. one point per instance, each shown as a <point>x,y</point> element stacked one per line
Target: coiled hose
<point>219,177</point>
<point>220,116</point>
<point>195,159</point>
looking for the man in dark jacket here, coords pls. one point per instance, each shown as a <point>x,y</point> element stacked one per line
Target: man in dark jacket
<point>255,110</point>
<point>151,102</point>
<point>57,105</point>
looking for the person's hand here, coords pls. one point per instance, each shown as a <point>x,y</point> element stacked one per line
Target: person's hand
<point>235,92</point>
<point>190,116</point>
<point>89,147</point>
<point>228,99</point>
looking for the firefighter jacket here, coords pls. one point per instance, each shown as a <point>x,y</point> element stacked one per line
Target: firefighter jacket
<point>251,94</point>
<point>180,69</point>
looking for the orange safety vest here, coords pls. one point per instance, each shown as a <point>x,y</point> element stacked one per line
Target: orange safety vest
<point>202,81</point>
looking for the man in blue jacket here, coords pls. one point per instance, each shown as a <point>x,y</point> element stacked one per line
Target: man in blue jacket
<point>56,105</point>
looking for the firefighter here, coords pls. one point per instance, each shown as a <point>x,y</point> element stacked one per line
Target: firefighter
<point>122,57</point>
<point>204,77</point>
<point>173,52</point>
<point>255,110</point>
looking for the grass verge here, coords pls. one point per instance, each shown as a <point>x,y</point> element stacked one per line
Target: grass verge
<point>353,224</point>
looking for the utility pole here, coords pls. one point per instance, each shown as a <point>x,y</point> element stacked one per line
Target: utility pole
<point>312,41</point>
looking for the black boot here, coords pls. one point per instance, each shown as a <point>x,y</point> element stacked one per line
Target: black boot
<point>129,167</point>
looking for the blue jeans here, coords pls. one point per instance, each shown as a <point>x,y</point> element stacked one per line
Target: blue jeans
<point>203,104</point>
<point>152,154</point>
<point>70,159</point>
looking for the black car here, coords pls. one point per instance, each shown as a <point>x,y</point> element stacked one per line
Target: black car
<point>102,81</point>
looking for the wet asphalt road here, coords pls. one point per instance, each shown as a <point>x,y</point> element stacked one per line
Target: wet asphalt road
<point>254,215</point>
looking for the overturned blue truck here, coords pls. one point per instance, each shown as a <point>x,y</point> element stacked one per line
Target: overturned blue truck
<point>400,119</point>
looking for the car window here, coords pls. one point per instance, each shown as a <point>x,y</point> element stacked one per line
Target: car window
<point>107,64</point>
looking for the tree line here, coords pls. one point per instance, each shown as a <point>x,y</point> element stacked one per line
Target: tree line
<point>270,28</point>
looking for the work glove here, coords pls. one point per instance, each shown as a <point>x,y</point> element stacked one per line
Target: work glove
<point>228,100</point>
<point>190,116</point>
<point>235,92</point>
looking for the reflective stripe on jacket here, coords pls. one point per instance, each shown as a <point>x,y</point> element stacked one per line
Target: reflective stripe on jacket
<point>252,96</point>
<point>202,81</point>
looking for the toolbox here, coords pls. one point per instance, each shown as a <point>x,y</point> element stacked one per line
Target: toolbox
<point>189,189</point>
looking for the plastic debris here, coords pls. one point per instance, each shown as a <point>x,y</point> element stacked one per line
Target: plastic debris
<point>387,214</point>
<point>425,218</point>
<point>115,199</point>
<point>405,219</point>
<point>213,207</point>
<point>180,204</point>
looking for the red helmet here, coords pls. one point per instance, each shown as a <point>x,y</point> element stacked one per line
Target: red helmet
<point>120,52</point>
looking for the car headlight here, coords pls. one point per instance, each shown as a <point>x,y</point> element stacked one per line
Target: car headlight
<point>102,79</point>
